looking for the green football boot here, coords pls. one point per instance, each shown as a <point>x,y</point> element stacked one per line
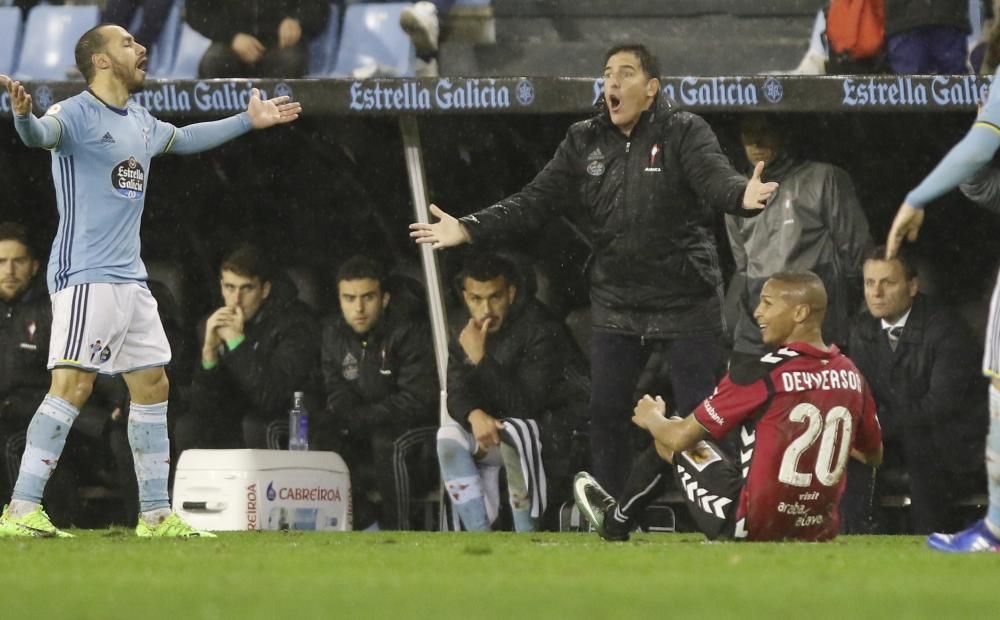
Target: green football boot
<point>36,523</point>
<point>171,527</point>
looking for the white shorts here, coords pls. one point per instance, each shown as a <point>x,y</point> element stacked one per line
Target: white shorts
<point>991,352</point>
<point>107,328</point>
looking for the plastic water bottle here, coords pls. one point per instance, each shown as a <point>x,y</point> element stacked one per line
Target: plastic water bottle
<point>298,424</point>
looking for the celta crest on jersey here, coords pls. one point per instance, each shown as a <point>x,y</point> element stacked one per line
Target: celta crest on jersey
<point>129,179</point>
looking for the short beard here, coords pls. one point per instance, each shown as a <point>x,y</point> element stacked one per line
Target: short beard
<point>127,77</point>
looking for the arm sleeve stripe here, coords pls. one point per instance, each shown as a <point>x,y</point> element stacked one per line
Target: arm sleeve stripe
<point>989,125</point>
<point>170,143</point>
<point>62,130</point>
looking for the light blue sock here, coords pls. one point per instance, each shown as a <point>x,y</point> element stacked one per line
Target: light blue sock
<point>993,460</point>
<point>147,436</point>
<point>461,478</point>
<point>44,444</point>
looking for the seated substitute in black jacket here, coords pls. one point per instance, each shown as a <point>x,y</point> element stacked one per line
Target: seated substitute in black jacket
<point>645,180</point>
<point>257,38</point>
<point>257,350</point>
<point>514,396</point>
<point>923,365</point>
<point>381,395</point>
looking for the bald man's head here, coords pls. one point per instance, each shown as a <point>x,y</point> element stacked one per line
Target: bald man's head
<point>792,304</point>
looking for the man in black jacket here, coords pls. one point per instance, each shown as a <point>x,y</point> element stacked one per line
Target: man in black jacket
<point>25,321</point>
<point>381,395</point>
<point>257,38</point>
<point>923,365</point>
<point>637,176</point>
<point>513,399</point>
<point>257,350</point>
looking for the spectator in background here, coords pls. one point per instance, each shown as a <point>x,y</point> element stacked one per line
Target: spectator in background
<point>924,37</point>
<point>512,403</point>
<point>154,17</point>
<point>381,395</point>
<point>814,223</point>
<point>922,363</point>
<point>257,38</point>
<point>257,349</point>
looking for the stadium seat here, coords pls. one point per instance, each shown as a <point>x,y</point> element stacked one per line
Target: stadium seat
<point>323,49</point>
<point>163,51</point>
<point>10,37</point>
<point>191,46</point>
<point>49,39</point>
<point>372,42</point>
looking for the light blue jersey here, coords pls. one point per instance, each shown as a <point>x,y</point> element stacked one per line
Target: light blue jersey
<point>100,166</point>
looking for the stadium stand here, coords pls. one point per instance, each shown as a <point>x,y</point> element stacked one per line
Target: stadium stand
<point>568,37</point>
<point>49,39</point>
<point>163,52</point>
<point>10,38</point>
<point>191,46</point>
<point>323,49</point>
<point>372,43</point>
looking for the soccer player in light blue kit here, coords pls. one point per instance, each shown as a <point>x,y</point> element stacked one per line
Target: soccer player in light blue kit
<point>975,151</point>
<point>104,317</point>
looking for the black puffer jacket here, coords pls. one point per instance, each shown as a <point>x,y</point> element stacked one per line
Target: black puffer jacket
<point>901,15</point>
<point>278,357</point>
<point>221,20</point>
<point>25,325</point>
<point>386,379</point>
<point>642,201</point>
<point>530,371</point>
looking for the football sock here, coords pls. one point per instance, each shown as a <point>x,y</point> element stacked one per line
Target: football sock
<point>517,489</point>
<point>147,436</point>
<point>461,478</point>
<point>641,487</point>
<point>993,462</point>
<point>44,444</point>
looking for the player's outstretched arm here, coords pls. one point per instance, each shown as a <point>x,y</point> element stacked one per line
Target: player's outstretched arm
<point>259,115</point>
<point>33,132</point>
<point>444,233</point>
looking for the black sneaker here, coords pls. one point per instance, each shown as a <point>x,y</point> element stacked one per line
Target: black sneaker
<point>595,504</point>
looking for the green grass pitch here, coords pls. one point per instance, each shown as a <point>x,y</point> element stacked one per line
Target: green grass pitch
<point>299,575</point>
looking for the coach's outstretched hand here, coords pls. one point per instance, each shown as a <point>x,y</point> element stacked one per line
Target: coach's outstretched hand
<point>277,111</point>
<point>20,100</point>
<point>445,233</point>
<point>905,225</point>
<point>758,192</point>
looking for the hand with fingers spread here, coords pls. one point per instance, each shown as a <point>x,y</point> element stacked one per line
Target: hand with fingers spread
<point>20,100</point>
<point>444,233</point>
<point>906,225</point>
<point>758,192</point>
<point>648,411</point>
<point>276,111</point>
<point>486,429</point>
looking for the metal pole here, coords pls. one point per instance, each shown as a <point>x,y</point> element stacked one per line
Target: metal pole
<point>413,155</point>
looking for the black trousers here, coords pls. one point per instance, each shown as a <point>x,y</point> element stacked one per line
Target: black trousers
<point>616,363</point>
<point>397,463</point>
<point>220,61</point>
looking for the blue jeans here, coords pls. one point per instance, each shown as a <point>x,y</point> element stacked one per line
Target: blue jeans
<point>931,50</point>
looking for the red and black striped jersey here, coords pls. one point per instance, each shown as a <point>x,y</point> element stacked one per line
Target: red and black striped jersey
<point>800,411</point>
